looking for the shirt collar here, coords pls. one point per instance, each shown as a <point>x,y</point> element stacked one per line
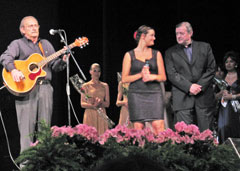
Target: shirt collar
<point>28,40</point>
<point>188,46</point>
<point>185,47</point>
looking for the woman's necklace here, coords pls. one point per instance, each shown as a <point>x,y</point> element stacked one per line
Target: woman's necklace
<point>231,77</point>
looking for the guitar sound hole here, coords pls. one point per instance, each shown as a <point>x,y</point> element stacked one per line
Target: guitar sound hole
<point>33,68</point>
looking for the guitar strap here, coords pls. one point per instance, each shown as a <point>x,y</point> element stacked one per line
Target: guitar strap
<point>41,48</point>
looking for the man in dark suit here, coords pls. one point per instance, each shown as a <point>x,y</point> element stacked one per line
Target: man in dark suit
<point>190,68</point>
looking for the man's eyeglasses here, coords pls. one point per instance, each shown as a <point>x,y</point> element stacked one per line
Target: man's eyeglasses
<point>33,26</point>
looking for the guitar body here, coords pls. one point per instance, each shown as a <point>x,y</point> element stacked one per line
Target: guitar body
<point>30,70</point>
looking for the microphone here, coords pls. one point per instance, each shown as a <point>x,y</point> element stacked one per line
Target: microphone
<point>53,32</point>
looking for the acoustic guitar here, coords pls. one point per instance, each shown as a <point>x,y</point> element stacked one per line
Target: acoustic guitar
<point>32,69</point>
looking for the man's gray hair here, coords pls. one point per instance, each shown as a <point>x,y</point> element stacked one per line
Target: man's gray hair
<point>187,25</point>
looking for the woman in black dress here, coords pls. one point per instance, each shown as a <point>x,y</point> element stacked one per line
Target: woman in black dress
<point>143,68</point>
<point>228,119</point>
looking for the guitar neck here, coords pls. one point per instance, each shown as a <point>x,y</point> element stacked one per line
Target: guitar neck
<point>55,55</point>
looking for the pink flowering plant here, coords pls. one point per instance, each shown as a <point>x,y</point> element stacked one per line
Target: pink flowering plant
<point>63,148</point>
<point>196,143</point>
<point>185,134</point>
<point>184,149</point>
<point>81,148</point>
<point>126,136</point>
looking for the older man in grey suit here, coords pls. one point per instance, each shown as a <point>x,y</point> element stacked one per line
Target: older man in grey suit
<point>190,67</point>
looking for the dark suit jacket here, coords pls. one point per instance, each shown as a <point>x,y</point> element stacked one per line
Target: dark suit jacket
<point>182,74</point>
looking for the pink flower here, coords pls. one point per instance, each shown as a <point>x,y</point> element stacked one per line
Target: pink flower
<point>192,130</point>
<point>69,131</point>
<point>205,135</point>
<point>188,129</point>
<point>166,135</point>
<point>87,131</point>
<point>104,137</point>
<point>160,139</point>
<point>149,135</point>
<point>176,139</point>
<point>187,140</point>
<point>180,126</point>
<point>57,131</point>
<point>122,133</point>
<point>34,144</point>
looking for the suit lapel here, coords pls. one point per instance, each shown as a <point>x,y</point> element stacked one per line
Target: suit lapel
<point>195,49</point>
<point>181,52</point>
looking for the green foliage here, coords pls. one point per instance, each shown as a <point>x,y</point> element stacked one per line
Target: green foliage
<point>177,157</point>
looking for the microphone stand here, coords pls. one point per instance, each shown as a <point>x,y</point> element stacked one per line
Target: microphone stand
<point>64,40</point>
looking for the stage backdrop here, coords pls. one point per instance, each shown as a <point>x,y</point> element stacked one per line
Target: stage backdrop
<point>110,25</point>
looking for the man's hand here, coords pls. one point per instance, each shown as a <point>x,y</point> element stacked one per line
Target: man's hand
<point>195,89</point>
<point>66,55</point>
<point>17,75</point>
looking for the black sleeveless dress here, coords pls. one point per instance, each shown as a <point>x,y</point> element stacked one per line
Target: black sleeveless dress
<point>228,119</point>
<point>145,99</point>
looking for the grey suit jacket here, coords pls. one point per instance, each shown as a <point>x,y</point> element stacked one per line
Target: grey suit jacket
<point>182,74</point>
